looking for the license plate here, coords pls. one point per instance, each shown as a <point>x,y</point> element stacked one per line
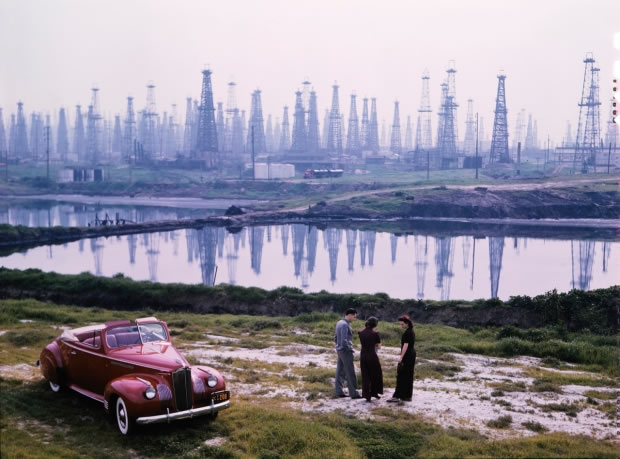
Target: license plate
<point>220,396</point>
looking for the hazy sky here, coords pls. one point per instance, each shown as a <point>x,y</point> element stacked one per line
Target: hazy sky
<point>53,51</point>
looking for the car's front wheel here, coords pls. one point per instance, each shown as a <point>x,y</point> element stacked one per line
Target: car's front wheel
<point>122,417</point>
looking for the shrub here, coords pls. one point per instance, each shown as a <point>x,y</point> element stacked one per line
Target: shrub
<point>503,422</point>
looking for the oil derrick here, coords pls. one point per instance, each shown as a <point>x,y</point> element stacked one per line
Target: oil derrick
<point>519,129</point>
<point>256,237</point>
<point>499,142</point>
<point>589,126</point>
<point>612,134</point>
<point>334,135</point>
<point>424,115</point>
<point>256,121</point>
<point>314,139</point>
<point>351,244</point>
<point>96,247</point>
<point>469,144</point>
<point>334,238</point>
<point>298,232</point>
<point>285,138</point>
<point>343,126</point>
<point>444,258</point>
<point>232,111</point>
<point>149,116</point>
<point>206,135</point>
<point>408,135</point>
<point>299,126</point>
<point>466,247</point>
<point>20,143</point>
<point>36,136</point>
<point>447,133</point>
<point>269,135</point>
<point>284,230</point>
<point>207,248</point>
<point>535,135</point>
<point>568,140</point>
<point>175,138</point>
<point>418,135</point>
<point>353,135</point>
<point>237,146</point>
<point>363,248</point>
<point>325,130</point>
<point>496,252</point>
<point>62,138</point>
<point>582,258</point>
<point>395,142</point>
<point>606,255</point>
<point>129,134</point>
<point>221,127</point>
<point>117,136</point>
<point>365,125</point>
<point>12,135</point>
<point>94,130</point>
<point>132,244</point>
<point>373,128</point>
<point>232,256</point>
<point>187,130</point>
<point>529,135</point>
<point>311,243</point>
<point>421,256</point>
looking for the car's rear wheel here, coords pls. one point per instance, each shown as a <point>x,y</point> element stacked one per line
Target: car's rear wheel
<point>122,417</point>
<point>55,387</point>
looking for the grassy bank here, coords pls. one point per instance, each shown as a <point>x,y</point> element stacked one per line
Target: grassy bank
<point>575,311</point>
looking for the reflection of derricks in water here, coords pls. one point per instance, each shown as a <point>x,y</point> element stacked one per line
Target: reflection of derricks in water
<point>107,221</point>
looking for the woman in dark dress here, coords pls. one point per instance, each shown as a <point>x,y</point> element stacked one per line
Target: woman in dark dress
<point>404,375</point>
<point>372,376</point>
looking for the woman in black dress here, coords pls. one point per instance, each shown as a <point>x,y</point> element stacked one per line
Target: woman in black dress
<point>372,375</point>
<point>406,362</point>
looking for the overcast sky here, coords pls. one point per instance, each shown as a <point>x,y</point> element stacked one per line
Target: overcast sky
<point>53,51</point>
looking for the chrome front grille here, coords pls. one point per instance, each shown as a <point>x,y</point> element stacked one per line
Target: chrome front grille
<point>182,382</point>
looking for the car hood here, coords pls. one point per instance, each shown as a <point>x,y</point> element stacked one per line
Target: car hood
<point>161,355</point>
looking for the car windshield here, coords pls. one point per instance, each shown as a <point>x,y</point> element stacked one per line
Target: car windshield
<point>152,332</point>
<point>130,335</point>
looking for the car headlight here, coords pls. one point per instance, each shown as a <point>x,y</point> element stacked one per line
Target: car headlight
<point>150,393</point>
<point>212,381</point>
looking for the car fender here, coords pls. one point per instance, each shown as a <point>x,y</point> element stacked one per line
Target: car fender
<point>52,367</point>
<point>203,372</point>
<point>131,388</point>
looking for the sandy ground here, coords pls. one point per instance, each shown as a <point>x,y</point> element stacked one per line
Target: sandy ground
<point>463,400</point>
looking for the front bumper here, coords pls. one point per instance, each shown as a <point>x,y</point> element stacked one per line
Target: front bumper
<point>194,412</point>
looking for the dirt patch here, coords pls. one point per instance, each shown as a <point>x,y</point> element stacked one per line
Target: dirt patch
<point>463,400</point>
<point>21,371</point>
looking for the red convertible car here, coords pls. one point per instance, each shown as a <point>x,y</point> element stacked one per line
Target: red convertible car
<point>133,369</point>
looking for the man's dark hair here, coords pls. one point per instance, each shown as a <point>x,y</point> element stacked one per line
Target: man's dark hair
<point>350,311</point>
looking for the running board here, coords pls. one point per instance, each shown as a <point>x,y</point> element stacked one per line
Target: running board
<point>87,393</point>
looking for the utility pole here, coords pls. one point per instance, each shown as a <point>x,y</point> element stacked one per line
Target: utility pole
<point>428,164</point>
<point>608,159</point>
<point>253,161</point>
<point>476,160</point>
